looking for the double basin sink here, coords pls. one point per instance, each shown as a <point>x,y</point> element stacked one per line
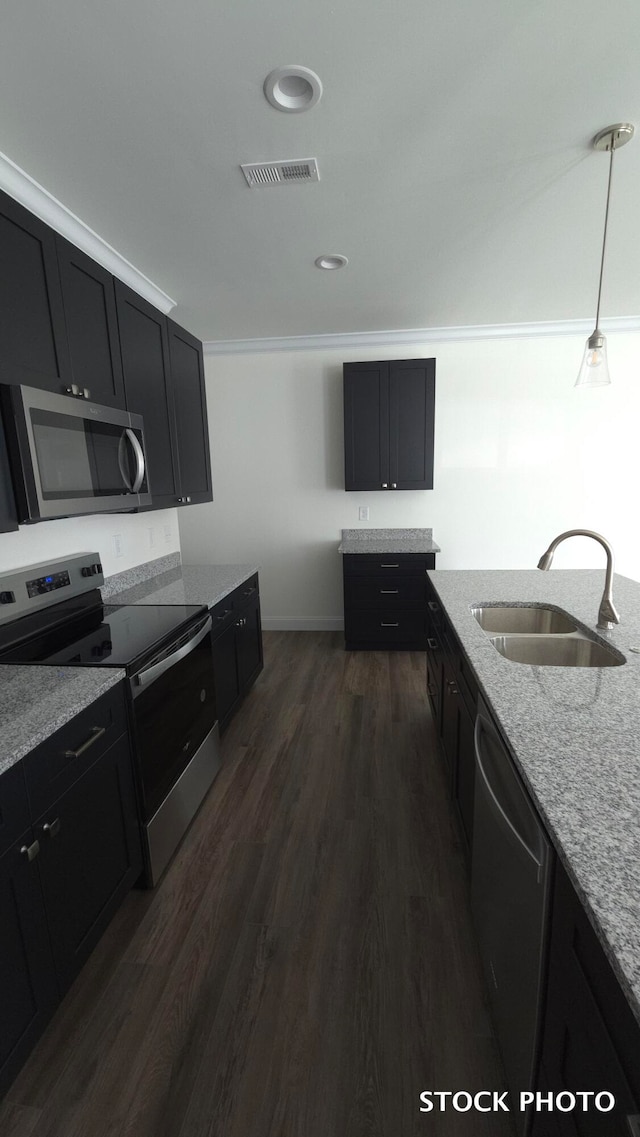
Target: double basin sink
<point>543,637</point>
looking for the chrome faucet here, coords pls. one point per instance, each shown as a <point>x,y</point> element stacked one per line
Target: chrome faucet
<point>607,615</point>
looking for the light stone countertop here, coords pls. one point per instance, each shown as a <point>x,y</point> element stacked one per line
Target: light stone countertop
<point>36,701</point>
<point>187,584</point>
<point>575,737</point>
<point>388,541</point>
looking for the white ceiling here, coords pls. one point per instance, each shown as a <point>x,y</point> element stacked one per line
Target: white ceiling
<point>453,139</point>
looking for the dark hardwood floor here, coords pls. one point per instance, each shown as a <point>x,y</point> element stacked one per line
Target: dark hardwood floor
<point>307,965</point>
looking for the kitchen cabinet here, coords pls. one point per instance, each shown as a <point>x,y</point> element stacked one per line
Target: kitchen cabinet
<point>89,302</point>
<point>34,349</point>
<point>453,693</point>
<point>190,403</point>
<point>146,365</point>
<point>69,852</point>
<point>237,647</point>
<point>591,1040</point>
<point>385,600</point>
<point>389,424</point>
<point>8,510</point>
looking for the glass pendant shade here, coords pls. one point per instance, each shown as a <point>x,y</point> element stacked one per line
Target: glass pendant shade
<point>594,371</point>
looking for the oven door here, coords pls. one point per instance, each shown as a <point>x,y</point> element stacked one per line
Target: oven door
<point>174,709</point>
<point>70,456</point>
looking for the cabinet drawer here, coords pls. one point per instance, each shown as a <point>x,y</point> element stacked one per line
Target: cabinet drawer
<point>388,563</point>
<point>57,763</point>
<point>14,806</point>
<point>245,592</point>
<point>385,627</point>
<point>392,591</point>
<point>222,615</point>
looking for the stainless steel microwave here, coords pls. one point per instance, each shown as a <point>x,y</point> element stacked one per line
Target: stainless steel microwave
<point>69,456</point>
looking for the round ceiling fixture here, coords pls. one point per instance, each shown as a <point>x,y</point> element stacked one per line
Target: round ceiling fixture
<point>330,261</point>
<point>293,88</point>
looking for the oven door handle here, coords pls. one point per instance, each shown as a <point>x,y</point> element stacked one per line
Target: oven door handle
<point>150,674</point>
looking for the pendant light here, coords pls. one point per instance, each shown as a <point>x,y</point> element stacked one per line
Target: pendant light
<point>594,371</point>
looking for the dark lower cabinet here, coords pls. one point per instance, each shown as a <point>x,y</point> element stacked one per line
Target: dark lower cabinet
<point>34,347</point>
<point>385,601</point>
<point>237,647</point>
<point>28,989</point>
<point>63,875</point>
<point>591,1040</point>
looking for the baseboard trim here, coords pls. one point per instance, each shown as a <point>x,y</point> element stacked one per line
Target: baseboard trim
<point>302,625</point>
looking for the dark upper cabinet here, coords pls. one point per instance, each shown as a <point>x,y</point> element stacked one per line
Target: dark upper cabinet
<point>92,325</point>
<point>389,424</point>
<point>190,404</point>
<point>32,329</point>
<point>8,511</point>
<point>146,366</point>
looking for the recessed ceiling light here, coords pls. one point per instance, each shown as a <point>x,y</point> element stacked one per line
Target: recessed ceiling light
<point>293,88</point>
<point>331,260</point>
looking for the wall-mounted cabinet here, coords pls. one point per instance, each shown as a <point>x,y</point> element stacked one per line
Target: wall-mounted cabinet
<point>389,411</point>
<point>65,320</point>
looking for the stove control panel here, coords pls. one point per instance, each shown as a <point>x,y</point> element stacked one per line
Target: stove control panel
<point>38,586</point>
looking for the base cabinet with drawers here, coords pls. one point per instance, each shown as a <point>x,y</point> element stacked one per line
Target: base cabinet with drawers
<point>385,600</point>
<point>69,852</point>
<point>237,647</point>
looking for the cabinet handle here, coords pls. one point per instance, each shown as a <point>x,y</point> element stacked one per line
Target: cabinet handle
<point>248,591</point>
<point>396,625</point>
<point>30,851</point>
<point>184,500</point>
<point>96,733</point>
<point>227,612</point>
<point>389,566</point>
<point>432,644</point>
<point>433,606</point>
<point>241,622</point>
<point>394,486</point>
<point>385,486</point>
<point>451,684</point>
<point>389,591</point>
<point>51,828</point>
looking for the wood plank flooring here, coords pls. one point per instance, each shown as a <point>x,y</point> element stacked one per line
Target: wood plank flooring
<point>307,965</point>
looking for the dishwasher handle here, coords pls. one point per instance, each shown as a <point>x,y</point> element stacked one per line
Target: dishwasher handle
<point>483,723</point>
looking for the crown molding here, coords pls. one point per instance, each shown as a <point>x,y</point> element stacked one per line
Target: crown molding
<point>38,200</point>
<point>408,337</point>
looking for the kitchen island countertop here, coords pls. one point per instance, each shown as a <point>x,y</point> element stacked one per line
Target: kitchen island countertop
<point>575,736</point>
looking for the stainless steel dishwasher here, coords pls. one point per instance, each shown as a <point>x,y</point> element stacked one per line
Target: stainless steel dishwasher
<point>510,878</point>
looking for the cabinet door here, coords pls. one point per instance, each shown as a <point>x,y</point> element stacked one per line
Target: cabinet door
<point>92,327</point>
<point>147,383</point>
<point>28,991</point>
<point>412,387</point>
<point>366,426</point>
<point>8,511</point>
<point>192,434</point>
<point>90,857</point>
<point>249,644</point>
<point>225,670</point>
<point>32,327</point>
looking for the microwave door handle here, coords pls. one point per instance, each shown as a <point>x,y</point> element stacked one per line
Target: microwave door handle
<point>150,674</point>
<point>139,457</point>
<point>122,461</point>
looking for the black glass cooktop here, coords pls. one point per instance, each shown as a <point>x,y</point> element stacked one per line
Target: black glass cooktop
<point>113,635</point>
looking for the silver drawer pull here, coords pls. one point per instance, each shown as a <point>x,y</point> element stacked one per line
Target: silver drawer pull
<point>433,606</point>
<point>96,733</point>
<point>396,625</point>
<point>389,591</point>
<point>30,851</point>
<point>51,828</point>
<point>389,566</point>
<point>227,612</point>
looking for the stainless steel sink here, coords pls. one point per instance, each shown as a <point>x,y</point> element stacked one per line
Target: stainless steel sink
<point>556,651</point>
<point>532,621</point>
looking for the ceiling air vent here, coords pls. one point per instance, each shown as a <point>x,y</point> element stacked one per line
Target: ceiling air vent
<point>260,174</point>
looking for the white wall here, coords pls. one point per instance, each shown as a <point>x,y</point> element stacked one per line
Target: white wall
<point>520,456</point>
<point>48,539</point>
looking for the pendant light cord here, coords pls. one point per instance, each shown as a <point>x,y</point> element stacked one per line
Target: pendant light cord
<point>604,237</point>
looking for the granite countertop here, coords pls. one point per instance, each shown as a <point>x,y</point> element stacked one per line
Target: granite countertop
<point>37,701</point>
<point>388,541</point>
<point>187,584</point>
<point>575,737</point>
